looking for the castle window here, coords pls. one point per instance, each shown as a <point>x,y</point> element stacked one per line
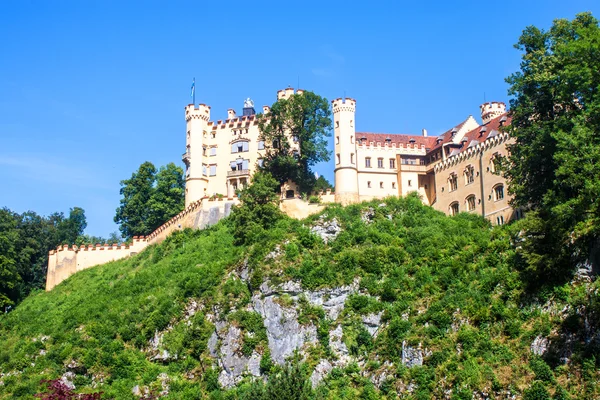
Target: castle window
<point>369,184</point>
<point>187,172</point>
<point>410,183</point>
<point>351,123</point>
<point>337,158</point>
<point>213,170</point>
<point>188,135</point>
<point>453,182</point>
<point>498,192</point>
<point>368,162</point>
<point>214,135</point>
<point>381,185</point>
<point>393,185</point>
<point>337,140</point>
<point>454,208</point>
<point>470,203</point>
<point>261,144</point>
<point>213,151</point>
<point>392,163</point>
<point>204,151</point>
<point>204,172</point>
<point>352,158</point>
<point>204,133</point>
<point>351,139</point>
<point>260,162</point>
<point>469,175</point>
<point>337,124</point>
<point>380,163</point>
<point>500,220</point>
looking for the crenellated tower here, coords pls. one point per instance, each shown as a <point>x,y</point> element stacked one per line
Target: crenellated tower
<point>346,173</point>
<point>196,182</point>
<point>491,110</point>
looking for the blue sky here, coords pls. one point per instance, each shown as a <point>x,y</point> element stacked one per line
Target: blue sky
<point>91,89</point>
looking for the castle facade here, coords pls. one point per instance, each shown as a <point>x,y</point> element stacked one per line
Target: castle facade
<point>453,172</point>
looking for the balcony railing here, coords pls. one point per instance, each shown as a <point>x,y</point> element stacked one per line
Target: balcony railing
<point>239,172</point>
<point>185,157</point>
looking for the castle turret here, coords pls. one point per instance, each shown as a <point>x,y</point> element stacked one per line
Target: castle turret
<point>346,173</point>
<point>196,182</point>
<point>491,110</point>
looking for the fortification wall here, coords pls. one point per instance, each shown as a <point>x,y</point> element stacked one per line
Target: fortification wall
<point>66,260</point>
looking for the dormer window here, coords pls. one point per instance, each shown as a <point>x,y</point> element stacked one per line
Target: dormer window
<point>503,120</point>
<point>482,130</point>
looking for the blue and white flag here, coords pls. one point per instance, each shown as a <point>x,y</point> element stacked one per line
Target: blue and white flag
<point>193,91</point>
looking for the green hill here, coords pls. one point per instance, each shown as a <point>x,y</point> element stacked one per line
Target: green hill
<point>388,299</point>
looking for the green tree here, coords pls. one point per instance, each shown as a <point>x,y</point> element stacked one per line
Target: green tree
<point>322,184</point>
<point>259,209</point>
<point>9,278</point>
<point>168,196</point>
<point>554,165</point>
<point>149,199</point>
<point>295,132</point>
<point>132,214</point>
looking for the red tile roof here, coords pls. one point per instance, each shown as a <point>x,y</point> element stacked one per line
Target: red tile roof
<point>492,128</point>
<point>397,138</point>
<point>447,136</point>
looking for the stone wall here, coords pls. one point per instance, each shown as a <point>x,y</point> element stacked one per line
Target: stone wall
<point>66,260</point>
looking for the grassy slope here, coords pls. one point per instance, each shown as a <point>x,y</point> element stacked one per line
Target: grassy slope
<point>447,283</point>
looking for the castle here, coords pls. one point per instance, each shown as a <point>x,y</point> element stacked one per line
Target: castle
<point>453,172</point>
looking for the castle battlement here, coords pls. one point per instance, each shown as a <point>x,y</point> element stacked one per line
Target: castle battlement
<point>341,104</point>
<point>491,110</point>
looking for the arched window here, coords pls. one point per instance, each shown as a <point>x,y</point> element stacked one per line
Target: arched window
<point>470,201</point>
<point>498,192</point>
<point>454,208</point>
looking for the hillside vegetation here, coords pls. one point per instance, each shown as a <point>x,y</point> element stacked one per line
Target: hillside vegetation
<point>433,307</point>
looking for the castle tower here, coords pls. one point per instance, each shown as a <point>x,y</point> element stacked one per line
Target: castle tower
<point>196,182</point>
<point>346,173</point>
<point>491,110</point>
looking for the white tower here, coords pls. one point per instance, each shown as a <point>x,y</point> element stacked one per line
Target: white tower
<point>346,174</point>
<point>196,182</point>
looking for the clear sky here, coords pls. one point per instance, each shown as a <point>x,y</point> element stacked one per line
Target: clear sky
<point>91,89</point>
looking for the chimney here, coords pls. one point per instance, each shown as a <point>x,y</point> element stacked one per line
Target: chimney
<point>231,113</point>
<point>266,109</point>
<point>424,132</point>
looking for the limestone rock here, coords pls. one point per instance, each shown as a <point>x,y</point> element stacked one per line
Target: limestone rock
<point>539,346</point>
<point>372,322</point>
<point>327,230</point>
<point>284,333</point>
<point>338,347</point>
<point>411,356</point>
<point>321,370</point>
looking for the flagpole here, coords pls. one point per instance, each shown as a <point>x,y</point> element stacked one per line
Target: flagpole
<point>194,92</point>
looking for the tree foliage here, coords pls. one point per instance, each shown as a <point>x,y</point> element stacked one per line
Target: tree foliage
<point>259,210</point>
<point>295,132</point>
<point>554,165</point>
<point>25,240</point>
<point>149,199</point>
